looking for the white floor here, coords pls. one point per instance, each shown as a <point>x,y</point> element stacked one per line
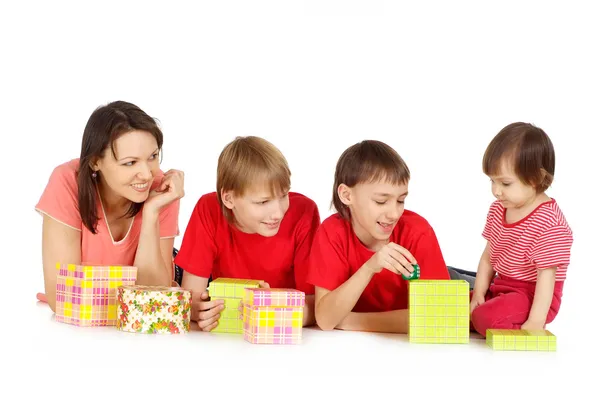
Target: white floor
<point>62,361</point>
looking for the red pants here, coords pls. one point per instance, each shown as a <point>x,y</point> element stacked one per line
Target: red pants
<point>507,305</point>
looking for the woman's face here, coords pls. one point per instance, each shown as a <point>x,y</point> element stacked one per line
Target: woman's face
<point>130,172</point>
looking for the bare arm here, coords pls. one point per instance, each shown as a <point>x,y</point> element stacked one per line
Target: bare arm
<point>395,321</point>
<point>154,256</point>
<point>309,311</point>
<point>205,312</point>
<point>544,290</point>
<point>485,274</point>
<point>331,307</point>
<point>60,244</point>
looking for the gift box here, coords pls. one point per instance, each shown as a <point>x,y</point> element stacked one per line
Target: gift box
<point>86,295</point>
<point>153,309</point>
<point>273,316</point>
<point>231,291</point>
<point>522,340</point>
<point>438,311</point>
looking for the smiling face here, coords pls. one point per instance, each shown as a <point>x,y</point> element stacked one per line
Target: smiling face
<point>258,210</point>
<point>375,209</point>
<point>129,173</point>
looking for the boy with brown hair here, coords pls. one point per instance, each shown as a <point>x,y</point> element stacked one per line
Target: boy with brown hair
<point>362,254</point>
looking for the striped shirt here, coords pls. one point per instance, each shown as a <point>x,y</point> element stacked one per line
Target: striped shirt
<point>542,239</point>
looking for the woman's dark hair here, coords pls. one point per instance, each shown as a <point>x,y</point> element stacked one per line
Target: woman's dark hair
<point>105,125</point>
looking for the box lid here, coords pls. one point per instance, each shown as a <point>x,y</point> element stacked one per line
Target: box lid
<point>231,287</point>
<point>97,272</point>
<point>274,297</point>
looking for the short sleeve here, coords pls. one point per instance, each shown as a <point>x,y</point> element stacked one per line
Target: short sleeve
<point>169,220</point>
<point>59,199</point>
<point>328,265</point>
<point>552,248</point>
<point>198,246</point>
<point>489,221</point>
<point>304,239</point>
<point>426,250</point>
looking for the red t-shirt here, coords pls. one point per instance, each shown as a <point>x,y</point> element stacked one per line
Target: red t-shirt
<point>337,254</point>
<point>212,246</point>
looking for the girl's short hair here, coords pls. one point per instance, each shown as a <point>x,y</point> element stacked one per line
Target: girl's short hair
<point>106,124</point>
<point>247,162</point>
<point>528,149</point>
<point>366,162</point>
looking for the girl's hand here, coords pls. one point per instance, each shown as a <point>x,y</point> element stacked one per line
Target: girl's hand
<point>476,301</point>
<point>532,326</point>
<point>169,190</point>
<point>394,258</point>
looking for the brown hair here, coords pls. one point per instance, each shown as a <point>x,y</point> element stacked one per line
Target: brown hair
<point>105,125</point>
<point>367,161</point>
<point>529,150</point>
<point>248,161</point>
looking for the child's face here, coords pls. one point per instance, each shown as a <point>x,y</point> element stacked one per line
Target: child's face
<point>376,208</point>
<point>510,190</point>
<point>130,173</point>
<point>258,211</point>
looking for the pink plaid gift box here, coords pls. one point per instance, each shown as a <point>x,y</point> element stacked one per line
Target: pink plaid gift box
<point>87,295</point>
<point>273,316</point>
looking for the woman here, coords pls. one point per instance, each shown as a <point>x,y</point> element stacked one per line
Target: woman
<point>113,205</point>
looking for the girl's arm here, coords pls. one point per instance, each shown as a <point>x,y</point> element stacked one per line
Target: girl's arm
<point>544,290</point>
<point>485,274</point>
<point>60,244</point>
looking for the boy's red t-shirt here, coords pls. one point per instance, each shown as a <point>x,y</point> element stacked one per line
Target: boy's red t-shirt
<point>212,246</point>
<point>337,254</point>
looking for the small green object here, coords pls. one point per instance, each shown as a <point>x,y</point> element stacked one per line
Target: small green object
<point>415,275</point>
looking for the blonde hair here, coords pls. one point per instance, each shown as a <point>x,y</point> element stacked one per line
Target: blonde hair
<point>251,161</point>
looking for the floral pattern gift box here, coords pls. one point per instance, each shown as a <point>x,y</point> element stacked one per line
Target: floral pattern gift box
<point>154,309</point>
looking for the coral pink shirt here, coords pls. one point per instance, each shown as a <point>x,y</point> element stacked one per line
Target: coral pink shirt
<point>59,201</point>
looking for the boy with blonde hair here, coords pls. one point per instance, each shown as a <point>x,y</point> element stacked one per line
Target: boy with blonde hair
<point>252,227</point>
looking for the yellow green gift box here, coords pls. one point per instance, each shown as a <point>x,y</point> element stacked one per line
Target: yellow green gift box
<point>231,291</point>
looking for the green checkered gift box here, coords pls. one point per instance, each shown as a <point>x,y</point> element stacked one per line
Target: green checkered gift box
<point>438,311</point>
<point>523,340</point>
<point>231,291</point>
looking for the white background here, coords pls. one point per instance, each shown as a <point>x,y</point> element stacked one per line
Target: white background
<point>435,80</point>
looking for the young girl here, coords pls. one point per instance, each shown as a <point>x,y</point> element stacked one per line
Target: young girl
<point>112,205</point>
<point>252,227</point>
<point>529,240</point>
<point>360,253</point>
